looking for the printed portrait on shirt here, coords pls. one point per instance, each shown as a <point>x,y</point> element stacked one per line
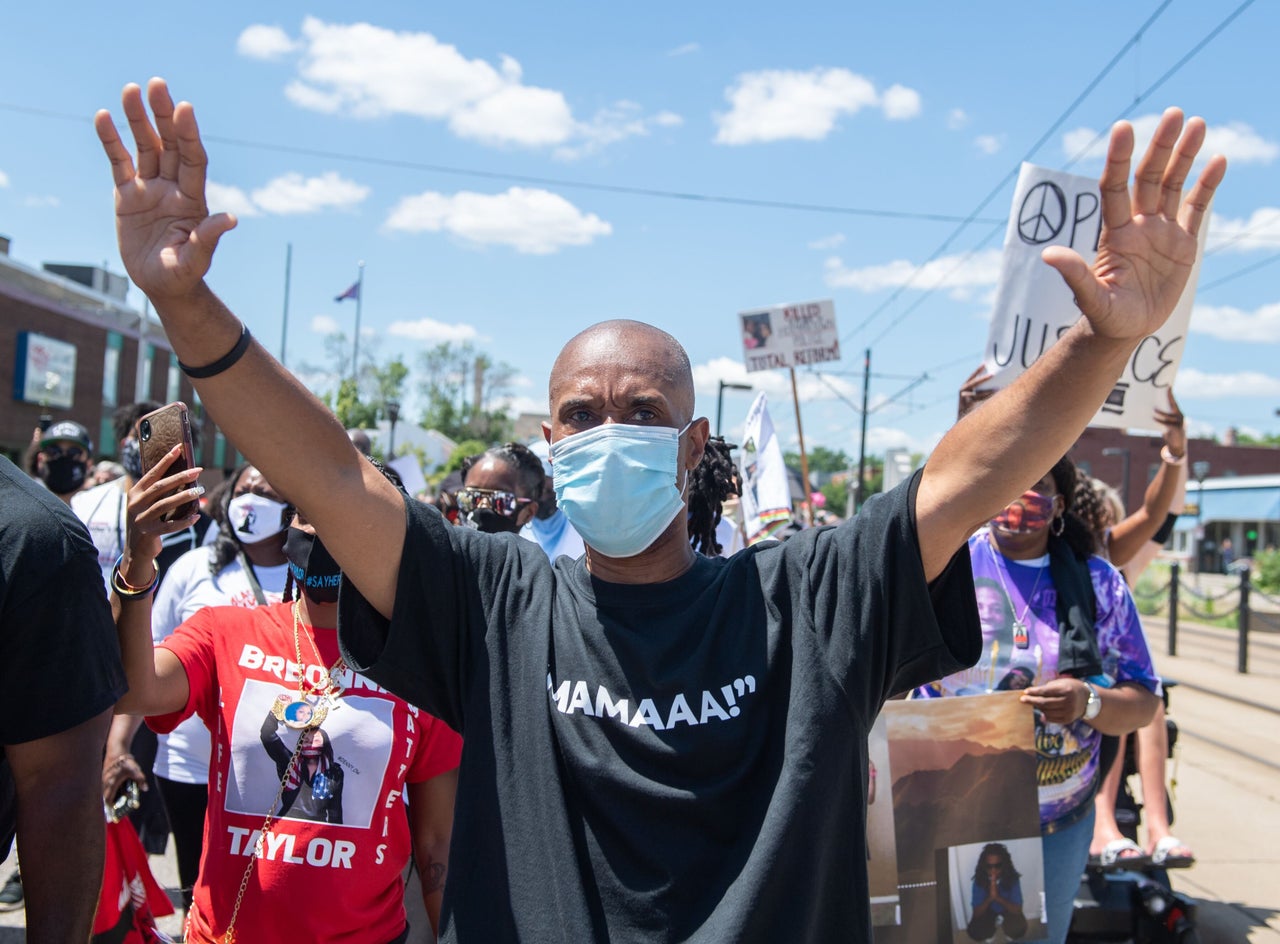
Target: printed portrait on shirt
<point>340,765</point>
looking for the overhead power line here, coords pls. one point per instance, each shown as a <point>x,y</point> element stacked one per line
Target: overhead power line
<point>561,182</point>
<point>999,188</point>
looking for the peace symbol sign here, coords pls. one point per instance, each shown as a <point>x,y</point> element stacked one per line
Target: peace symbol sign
<point>1042,214</point>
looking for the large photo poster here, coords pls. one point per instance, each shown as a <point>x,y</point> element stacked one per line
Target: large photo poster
<point>962,780</point>
<point>1034,307</point>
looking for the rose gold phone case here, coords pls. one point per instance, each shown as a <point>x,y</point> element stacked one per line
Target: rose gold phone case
<point>160,431</point>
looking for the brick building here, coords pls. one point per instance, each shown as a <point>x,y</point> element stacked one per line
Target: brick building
<point>72,348</point>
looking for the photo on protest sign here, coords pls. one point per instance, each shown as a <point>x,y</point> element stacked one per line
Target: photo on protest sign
<point>798,334</point>
<point>882,850</point>
<point>1034,306</point>
<point>994,891</point>
<point>963,775</point>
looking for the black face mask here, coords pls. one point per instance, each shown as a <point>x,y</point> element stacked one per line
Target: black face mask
<point>490,522</point>
<point>312,566</point>
<point>131,458</point>
<point>64,474</point>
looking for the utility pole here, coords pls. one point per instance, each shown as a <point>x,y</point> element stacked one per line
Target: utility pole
<point>862,445</point>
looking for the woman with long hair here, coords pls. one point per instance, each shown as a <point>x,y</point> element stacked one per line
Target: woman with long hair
<point>997,895</point>
<point>1078,641</point>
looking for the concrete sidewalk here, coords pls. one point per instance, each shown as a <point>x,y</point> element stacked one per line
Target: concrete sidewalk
<point>1226,777</point>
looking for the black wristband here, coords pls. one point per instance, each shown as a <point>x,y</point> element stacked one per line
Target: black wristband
<point>1166,529</point>
<point>222,363</point>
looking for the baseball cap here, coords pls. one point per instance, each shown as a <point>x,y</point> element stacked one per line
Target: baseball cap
<point>67,431</point>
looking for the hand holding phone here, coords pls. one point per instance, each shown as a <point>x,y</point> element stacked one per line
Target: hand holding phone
<point>158,432</point>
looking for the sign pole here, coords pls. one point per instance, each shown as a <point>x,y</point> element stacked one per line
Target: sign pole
<point>859,486</point>
<point>804,456</point>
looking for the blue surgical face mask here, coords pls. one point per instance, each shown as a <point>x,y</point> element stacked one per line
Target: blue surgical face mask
<point>616,484</point>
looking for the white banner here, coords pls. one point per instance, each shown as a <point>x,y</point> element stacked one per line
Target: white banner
<point>766,493</point>
<point>45,371</point>
<point>1034,307</point>
<point>792,335</point>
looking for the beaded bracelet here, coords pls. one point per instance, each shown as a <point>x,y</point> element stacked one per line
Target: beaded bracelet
<point>127,591</point>
<point>224,362</point>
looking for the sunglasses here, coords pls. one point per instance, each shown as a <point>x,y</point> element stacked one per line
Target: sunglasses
<point>53,451</point>
<point>504,503</point>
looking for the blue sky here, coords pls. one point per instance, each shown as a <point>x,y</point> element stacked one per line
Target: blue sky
<point>332,127</point>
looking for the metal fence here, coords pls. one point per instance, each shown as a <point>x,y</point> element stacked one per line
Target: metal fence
<point>1177,598</point>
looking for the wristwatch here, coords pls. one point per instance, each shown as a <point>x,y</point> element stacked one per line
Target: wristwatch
<point>1093,705</point>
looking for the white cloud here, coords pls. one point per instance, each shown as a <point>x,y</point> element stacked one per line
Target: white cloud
<point>1195,383</point>
<point>989,143</point>
<point>223,198</point>
<point>366,71</point>
<point>526,404</point>
<point>1233,324</point>
<point>610,125</point>
<point>1237,141</point>
<point>776,104</point>
<point>42,202</point>
<point>959,273</point>
<point>4,179</point>
<point>957,118</point>
<point>431,331</point>
<point>529,220</point>
<point>292,194</point>
<point>684,50</point>
<point>1260,231</point>
<point>900,103</point>
<point>828,242</point>
<point>326,325</point>
<point>265,42</point>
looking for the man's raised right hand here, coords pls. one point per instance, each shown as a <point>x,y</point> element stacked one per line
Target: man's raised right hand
<point>166,234</point>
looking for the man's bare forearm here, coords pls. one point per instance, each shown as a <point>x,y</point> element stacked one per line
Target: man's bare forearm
<point>998,451</point>
<point>60,829</point>
<point>296,442</point>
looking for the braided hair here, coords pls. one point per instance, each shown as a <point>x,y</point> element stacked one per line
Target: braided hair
<point>518,456</point>
<point>1078,535</point>
<point>1093,506</point>
<point>711,483</point>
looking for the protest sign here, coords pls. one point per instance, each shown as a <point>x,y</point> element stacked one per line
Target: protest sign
<point>793,335</point>
<point>1034,307</point>
<point>962,779</point>
<point>766,493</point>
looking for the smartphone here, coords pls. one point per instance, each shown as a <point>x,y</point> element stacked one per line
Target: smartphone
<point>158,432</point>
<point>46,420</point>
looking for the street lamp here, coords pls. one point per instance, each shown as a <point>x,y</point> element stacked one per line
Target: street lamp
<point>1201,472</point>
<point>1123,453</point>
<point>720,399</point>
<point>393,414</point>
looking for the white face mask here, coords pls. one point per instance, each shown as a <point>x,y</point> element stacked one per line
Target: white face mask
<point>255,518</point>
<point>616,484</point>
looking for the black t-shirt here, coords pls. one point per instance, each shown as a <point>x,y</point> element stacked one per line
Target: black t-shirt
<point>59,655</point>
<point>675,762</point>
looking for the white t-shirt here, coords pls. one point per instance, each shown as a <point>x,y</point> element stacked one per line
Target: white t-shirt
<point>183,754</point>
<point>102,509</point>
<point>555,536</point>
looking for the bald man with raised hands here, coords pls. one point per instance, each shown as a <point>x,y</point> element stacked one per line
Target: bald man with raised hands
<point>658,745</point>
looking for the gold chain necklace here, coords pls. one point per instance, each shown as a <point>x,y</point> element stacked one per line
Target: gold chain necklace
<point>308,712</point>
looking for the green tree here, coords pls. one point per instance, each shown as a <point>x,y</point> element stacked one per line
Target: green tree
<point>821,461</point>
<point>461,390</point>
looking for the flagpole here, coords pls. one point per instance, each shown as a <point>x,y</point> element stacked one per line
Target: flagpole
<point>355,346</point>
<point>804,457</point>
<point>284,323</point>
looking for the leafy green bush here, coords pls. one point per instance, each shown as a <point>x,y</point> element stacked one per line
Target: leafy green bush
<point>1266,571</point>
